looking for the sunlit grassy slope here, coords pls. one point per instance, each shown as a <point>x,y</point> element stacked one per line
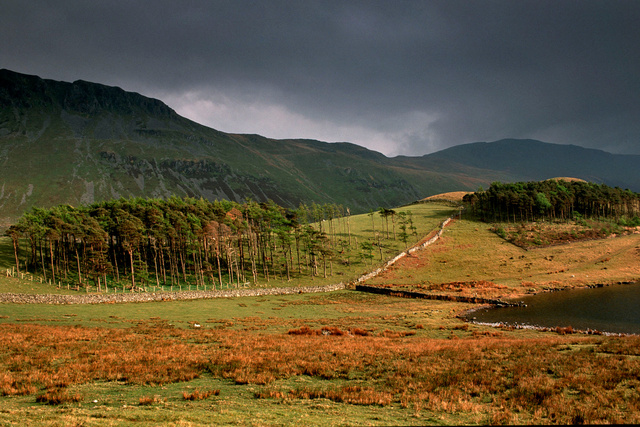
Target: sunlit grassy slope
<point>470,252</point>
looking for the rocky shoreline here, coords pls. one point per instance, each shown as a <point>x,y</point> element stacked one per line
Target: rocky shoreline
<point>439,297</point>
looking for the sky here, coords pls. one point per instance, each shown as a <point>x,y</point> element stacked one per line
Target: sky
<point>401,77</point>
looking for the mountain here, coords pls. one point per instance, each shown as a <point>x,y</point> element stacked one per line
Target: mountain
<point>530,160</point>
<point>81,142</point>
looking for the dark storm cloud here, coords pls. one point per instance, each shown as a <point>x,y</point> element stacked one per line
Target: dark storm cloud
<point>404,77</point>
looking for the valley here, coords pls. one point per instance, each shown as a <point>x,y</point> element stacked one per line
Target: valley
<point>319,213</point>
<point>157,271</point>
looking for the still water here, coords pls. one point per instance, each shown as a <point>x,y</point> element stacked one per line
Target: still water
<point>613,309</point>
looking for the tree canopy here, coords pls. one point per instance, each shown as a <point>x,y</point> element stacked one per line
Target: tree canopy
<point>552,199</point>
<point>175,241</point>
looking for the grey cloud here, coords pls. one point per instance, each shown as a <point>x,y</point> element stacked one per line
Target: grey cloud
<point>482,70</point>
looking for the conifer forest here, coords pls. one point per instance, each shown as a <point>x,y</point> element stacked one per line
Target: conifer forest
<point>135,243</point>
<point>554,200</point>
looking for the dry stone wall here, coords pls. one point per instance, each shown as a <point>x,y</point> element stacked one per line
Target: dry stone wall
<point>419,295</point>
<point>160,296</point>
<point>411,250</point>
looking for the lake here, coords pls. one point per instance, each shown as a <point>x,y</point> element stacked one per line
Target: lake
<point>614,309</point>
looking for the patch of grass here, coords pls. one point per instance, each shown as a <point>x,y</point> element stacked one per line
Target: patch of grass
<point>149,400</point>
<point>470,252</point>
<point>534,377</point>
<point>58,396</point>
<point>200,395</point>
<point>347,307</point>
<point>528,235</point>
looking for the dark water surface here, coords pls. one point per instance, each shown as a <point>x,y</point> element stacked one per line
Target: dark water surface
<point>613,309</point>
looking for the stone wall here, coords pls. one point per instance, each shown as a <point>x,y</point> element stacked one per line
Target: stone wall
<point>160,296</point>
<point>411,250</point>
<point>439,297</point>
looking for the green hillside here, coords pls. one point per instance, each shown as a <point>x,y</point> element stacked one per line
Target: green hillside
<point>78,143</point>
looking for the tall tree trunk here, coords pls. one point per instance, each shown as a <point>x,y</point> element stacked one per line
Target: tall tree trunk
<point>324,265</point>
<point>219,268</point>
<point>79,269</point>
<point>44,270</point>
<point>115,262</point>
<point>15,252</point>
<point>288,269</point>
<point>155,263</point>
<point>393,225</point>
<point>53,270</point>
<point>183,265</point>
<point>133,278</point>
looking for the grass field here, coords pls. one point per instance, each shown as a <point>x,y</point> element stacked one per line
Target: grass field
<point>341,358</point>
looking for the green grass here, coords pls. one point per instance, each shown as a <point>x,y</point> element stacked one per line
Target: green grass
<point>271,314</point>
<point>118,404</point>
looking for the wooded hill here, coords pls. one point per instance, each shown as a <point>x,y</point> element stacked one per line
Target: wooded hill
<point>554,199</point>
<point>81,142</point>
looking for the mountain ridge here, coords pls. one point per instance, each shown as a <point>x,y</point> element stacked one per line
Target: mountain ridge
<point>81,142</point>
<point>511,155</point>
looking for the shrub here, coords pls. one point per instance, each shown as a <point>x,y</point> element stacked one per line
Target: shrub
<point>198,395</point>
<point>354,395</point>
<point>326,330</point>
<point>269,394</point>
<point>58,396</point>
<point>148,400</point>
<point>564,330</point>
<point>304,330</point>
<point>10,386</point>
<point>396,334</point>
<point>331,330</point>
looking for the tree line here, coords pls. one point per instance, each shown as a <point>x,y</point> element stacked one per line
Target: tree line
<point>182,241</point>
<point>553,199</point>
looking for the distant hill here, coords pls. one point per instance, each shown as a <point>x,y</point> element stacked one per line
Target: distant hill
<point>81,142</point>
<point>451,196</point>
<point>531,160</point>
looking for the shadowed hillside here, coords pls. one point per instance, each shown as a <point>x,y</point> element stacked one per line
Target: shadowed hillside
<point>82,142</point>
<point>530,160</point>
